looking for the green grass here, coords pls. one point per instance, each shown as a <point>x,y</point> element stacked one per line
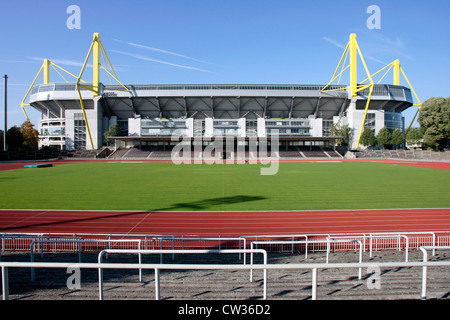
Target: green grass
<point>165,186</point>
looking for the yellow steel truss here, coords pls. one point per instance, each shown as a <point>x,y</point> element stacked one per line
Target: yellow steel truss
<point>45,67</point>
<point>352,49</point>
<point>397,70</point>
<point>98,51</point>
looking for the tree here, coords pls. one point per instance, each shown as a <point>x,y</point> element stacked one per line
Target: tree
<point>368,137</point>
<point>397,137</point>
<point>30,136</point>
<point>14,138</point>
<point>338,130</point>
<point>1,140</point>
<point>113,131</point>
<point>384,137</point>
<point>413,136</point>
<point>434,119</point>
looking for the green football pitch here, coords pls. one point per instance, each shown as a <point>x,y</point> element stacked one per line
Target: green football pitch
<point>224,187</point>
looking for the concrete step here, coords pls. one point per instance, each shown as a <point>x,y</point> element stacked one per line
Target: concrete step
<point>333,284</point>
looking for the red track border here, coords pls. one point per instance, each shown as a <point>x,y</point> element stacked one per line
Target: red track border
<point>423,164</point>
<point>225,223</point>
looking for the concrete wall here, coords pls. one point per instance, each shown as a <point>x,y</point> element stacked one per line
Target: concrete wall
<point>261,127</point>
<point>134,127</point>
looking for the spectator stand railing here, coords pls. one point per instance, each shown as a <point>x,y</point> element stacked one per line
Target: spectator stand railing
<point>157,278</point>
<point>80,242</point>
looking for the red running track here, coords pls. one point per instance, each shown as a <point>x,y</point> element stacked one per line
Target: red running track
<point>228,223</point>
<point>424,164</point>
<point>225,223</point>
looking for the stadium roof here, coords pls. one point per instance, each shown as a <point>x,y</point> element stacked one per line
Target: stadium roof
<point>228,101</point>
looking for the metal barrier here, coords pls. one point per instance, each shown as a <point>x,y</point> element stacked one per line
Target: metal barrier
<point>79,242</point>
<point>408,234</point>
<point>157,287</point>
<point>328,241</point>
<point>277,239</point>
<point>424,269</point>
<point>157,267</point>
<point>416,239</point>
<point>372,236</point>
<point>26,239</point>
<point>19,236</point>
<point>145,237</point>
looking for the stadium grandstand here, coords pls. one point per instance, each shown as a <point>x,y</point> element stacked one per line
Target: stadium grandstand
<point>76,115</point>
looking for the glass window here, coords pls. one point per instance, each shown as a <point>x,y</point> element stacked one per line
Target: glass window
<point>79,132</point>
<point>393,120</point>
<point>370,121</point>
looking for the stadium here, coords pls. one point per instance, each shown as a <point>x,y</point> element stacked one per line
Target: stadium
<point>327,221</point>
<point>149,114</point>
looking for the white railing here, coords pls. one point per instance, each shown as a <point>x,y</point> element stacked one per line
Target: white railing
<point>157,286</point>
<point>424,269</point>
<point>371,241</point>
<point>157,267</point>
<point>328,241</point>
<point>76,241</point>
<point>292,241</point>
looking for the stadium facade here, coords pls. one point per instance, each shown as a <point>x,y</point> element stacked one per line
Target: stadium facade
<point>76,116</point>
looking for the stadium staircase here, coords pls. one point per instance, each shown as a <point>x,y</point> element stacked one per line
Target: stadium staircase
<point>412,154</point>
<point>161,154</point>
<point>332,284</point>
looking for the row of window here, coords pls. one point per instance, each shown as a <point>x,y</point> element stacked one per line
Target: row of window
<point>304,123</point>
<point>53,131</point>
<point>289,131</point>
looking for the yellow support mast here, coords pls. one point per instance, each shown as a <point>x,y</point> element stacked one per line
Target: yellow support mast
<point>396,65</point>
<point>46,68</point>
<point>353,51</point>
<point>397,70</point>
<point>353,65</point>
<point>96,49</point>
<point>96,64</point>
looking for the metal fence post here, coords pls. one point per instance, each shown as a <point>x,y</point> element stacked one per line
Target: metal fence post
<point>157,293</point>
<point>424,274</point>
<point>314,284</point>
<point>5,283</point>
<point>100,284</point>
<point>140,269</point>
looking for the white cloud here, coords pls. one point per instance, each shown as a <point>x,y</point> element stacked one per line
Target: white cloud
<point>395,47</point>
<point>163,51</point>
<point>16,61</point>
<point>337,44</point>
<point>341,46</point>
<point>63,62</point>
<point>136,45</point>
<point>145,58</point>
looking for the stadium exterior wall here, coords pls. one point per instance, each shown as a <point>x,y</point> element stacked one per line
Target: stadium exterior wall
<point>295,111</point>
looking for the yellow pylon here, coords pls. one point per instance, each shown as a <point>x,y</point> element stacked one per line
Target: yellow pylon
<point>96,49</point>
<point>352,49</point>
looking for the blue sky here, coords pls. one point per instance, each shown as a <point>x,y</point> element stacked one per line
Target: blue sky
<point>233,41</point>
